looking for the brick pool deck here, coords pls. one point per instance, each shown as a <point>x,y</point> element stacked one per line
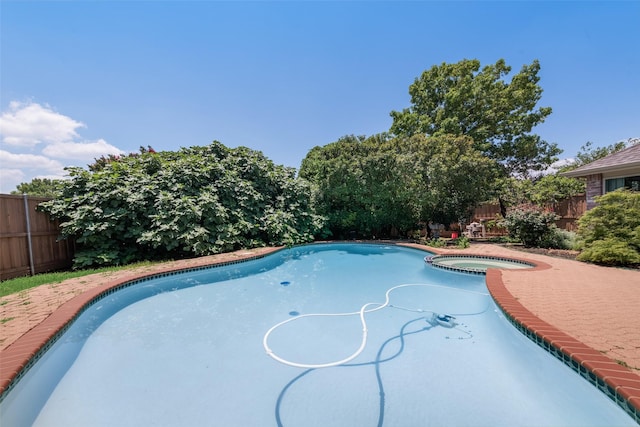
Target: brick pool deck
<point>590,313</point>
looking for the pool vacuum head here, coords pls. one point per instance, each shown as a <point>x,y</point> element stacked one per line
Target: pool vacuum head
<point>442,320</point>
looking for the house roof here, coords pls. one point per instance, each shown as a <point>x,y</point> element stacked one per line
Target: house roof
<point>629,158</point>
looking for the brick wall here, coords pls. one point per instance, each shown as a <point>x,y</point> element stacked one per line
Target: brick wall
<point>594,189</point>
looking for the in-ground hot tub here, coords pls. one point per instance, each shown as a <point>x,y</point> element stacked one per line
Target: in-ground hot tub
<point>476,264</point>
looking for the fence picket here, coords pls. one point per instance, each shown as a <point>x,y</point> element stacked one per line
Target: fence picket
<point>29,241</point>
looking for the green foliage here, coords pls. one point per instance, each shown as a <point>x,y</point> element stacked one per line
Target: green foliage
<point>461,99</point>
<point>513,191</point>
<point>531,225</point>
<point>102,161</point>
<point>504,240</point>
<point>453,177</point>
<point>359,186</point>
<point>373,185</point>
<point>610,251</point>
<point>197,201</point>
<point>40,187</point>
<point>436,243</point>
<point>550,190</point>
<point>559,239</point>
<point>546,191</point>
<point>18,284</point>
<point>610,232</point>
<point>462,242</point>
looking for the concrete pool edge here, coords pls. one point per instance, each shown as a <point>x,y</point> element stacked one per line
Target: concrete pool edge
<point>616,381</point>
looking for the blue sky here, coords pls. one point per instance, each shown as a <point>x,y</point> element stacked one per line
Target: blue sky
<point>83,78</point>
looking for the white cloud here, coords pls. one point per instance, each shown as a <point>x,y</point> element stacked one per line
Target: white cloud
<point>19,168</point>
<point>80,150</point>
<point>553,168</point>
<point>31,161</point>
<point>29,124</point>
<point>25,127</point>
<point>9,179</point>
<point>563,162</point>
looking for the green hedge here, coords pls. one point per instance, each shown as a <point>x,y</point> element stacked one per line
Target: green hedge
<point>196,201</point>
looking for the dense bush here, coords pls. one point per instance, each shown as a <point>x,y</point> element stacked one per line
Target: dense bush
<point>463,242</point>
<point>610,252</point>
<point>610,232</point>
<point>197,201</point>
<point>559,239</point>
<point>533,226</point>
<point>377,186</point>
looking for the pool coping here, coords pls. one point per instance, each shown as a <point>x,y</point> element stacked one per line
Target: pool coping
<point>433,260</point>
<point>23,353</point>
<point>617,382</point>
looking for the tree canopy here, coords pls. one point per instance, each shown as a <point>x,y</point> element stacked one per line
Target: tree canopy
<point>196,201</point>
<point>548,190</point>
<point>461,99</point>
<point>371,185</point>
<point>40,187</point>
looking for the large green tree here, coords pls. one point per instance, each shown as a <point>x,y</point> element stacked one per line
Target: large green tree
<point>456,176</point>
<point>462,99</point>
<point>359,186</point>
<point>373,185</point>
<point>40,187</point>
<point>545,191</point>
<point>196,201</point>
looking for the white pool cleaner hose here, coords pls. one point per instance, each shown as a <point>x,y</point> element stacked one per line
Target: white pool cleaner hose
<point>363,310</point>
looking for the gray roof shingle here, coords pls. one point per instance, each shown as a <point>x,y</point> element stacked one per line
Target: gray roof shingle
<point>623,159</point>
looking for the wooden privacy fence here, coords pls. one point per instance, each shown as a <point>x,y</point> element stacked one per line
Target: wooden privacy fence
<point>29,239</point>
<point>569,210</point>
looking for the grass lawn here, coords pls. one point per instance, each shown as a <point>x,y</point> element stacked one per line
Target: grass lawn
<point>18,284</point>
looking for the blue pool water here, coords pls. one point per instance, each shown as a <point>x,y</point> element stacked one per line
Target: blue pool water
<point>197,349</point>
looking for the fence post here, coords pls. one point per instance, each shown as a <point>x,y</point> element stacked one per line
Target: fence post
<point>29,244</point>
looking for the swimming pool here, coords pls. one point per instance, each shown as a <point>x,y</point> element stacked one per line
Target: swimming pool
<point>189,349</point>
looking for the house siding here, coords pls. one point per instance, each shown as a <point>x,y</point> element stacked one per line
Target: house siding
<point>594,189</point>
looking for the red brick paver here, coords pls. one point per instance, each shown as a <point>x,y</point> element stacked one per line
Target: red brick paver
<point>598,306</point>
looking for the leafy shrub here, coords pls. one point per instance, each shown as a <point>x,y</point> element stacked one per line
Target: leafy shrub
<point>533,226</point>
<point>436,243</point>
<point>463,242</point>
<point>503,239</point>
<point>559,239</point>
<point>610,232</point>
<point>197,201</point>
<point>610,252</point>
